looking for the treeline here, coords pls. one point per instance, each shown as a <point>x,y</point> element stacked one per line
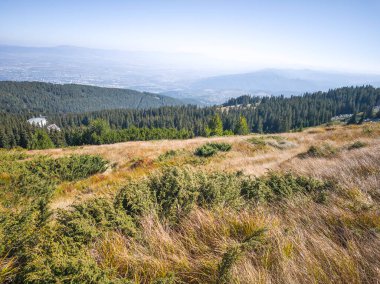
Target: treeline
<point>96,133</point>
<point>99,132</point>
<point>270,114</point>
<point>267,115</point>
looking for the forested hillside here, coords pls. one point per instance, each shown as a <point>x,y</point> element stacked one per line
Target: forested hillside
<point>30,97</point>
<point>268,114</point>
<point>265,115</point>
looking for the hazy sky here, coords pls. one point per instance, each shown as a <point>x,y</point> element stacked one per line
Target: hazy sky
<point>323,34</point>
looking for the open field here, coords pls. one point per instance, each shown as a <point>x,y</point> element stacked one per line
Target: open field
<point>134,159</point>
<point>289,208</point>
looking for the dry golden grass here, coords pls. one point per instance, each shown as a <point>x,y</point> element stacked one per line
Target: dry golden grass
<point>304,241</point>
<point>131,160</point>
<point>301,245</point>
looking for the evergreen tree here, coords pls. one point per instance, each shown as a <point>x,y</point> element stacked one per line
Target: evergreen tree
<point>242,127</point>
<point>216,126</point>
<point>40,140</point>
<point>58,138</point>
<point>4,139</point>
<point>352,119</point>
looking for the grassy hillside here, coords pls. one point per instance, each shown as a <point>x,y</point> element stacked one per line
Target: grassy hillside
<point>289,208</point>
<point>34,97</point>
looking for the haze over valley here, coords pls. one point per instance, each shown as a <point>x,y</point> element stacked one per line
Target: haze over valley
<point>191,77</point>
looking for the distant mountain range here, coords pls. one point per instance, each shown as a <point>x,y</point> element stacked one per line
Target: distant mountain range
<point>34,97</point>
<point>277,82</point>
<point>189,77</point>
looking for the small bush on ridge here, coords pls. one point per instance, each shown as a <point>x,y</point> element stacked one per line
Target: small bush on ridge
<point>324,151</point>
<point>357,145</point>
<point>211,149</point>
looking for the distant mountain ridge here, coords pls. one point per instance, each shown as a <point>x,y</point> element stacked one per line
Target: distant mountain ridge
<point>32,97</point>
<point>283,81</point>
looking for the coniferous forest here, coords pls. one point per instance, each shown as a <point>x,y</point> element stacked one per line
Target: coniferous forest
<point>237,116</point>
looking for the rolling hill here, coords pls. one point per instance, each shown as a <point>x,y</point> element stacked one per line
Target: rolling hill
<point>25,97</point>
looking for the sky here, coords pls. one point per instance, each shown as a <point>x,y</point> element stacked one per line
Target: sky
<point>324,34</point>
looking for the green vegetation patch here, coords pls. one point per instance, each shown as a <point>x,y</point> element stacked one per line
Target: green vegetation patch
<point>257,141</point>
<point>357,145</point>
<point>21,180</point>
<point>68,168</point>
<point>211,149</point>
<point>323,151</point>
<point>276,186</point>
<point>174,191</point>
<point>45,246</point>
<point>59,250</point>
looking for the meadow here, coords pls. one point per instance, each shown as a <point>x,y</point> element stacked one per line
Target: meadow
<point>300,207</point>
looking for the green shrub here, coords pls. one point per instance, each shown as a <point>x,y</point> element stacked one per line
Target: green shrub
<point>357,145</point>
<point>224,147</point>
<point>135,199</point>
<point>58,259</point>
<point>257,141</point>
<point>276,186</point>
<point>324,151</point>
<point>167,155</point>
<point>206,151</point>
<point>59,251</point>
<point>211,149</point>
<point>219,189</point>
<point>257,190</point>
<point>175,191</point>
<point>67,168</point>
<point>12,155</point>
<point>91,218</point>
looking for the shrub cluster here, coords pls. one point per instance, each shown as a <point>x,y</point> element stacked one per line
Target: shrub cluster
<point>323,151</point>
<point>67,168</point>
<point>175,191</point>
<point>21,180</point>
<point>357,145</point>
<point>210,149</point>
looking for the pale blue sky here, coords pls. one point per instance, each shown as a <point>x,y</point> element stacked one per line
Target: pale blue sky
<point>335,34</point>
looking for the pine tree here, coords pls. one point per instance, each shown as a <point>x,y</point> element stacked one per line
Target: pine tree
<point>40,140</point>
<point>352,119</point>
<point>216,126</point>
<point>242,127</point>
<point>4,139</point>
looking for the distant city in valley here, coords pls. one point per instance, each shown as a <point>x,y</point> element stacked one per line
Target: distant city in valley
<point>181,76</point>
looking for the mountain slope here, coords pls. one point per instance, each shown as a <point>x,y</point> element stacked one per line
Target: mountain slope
<point>21,97</point>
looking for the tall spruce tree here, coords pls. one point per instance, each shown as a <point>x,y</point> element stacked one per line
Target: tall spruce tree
<point>242,126</point>
<point>216,126</point>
